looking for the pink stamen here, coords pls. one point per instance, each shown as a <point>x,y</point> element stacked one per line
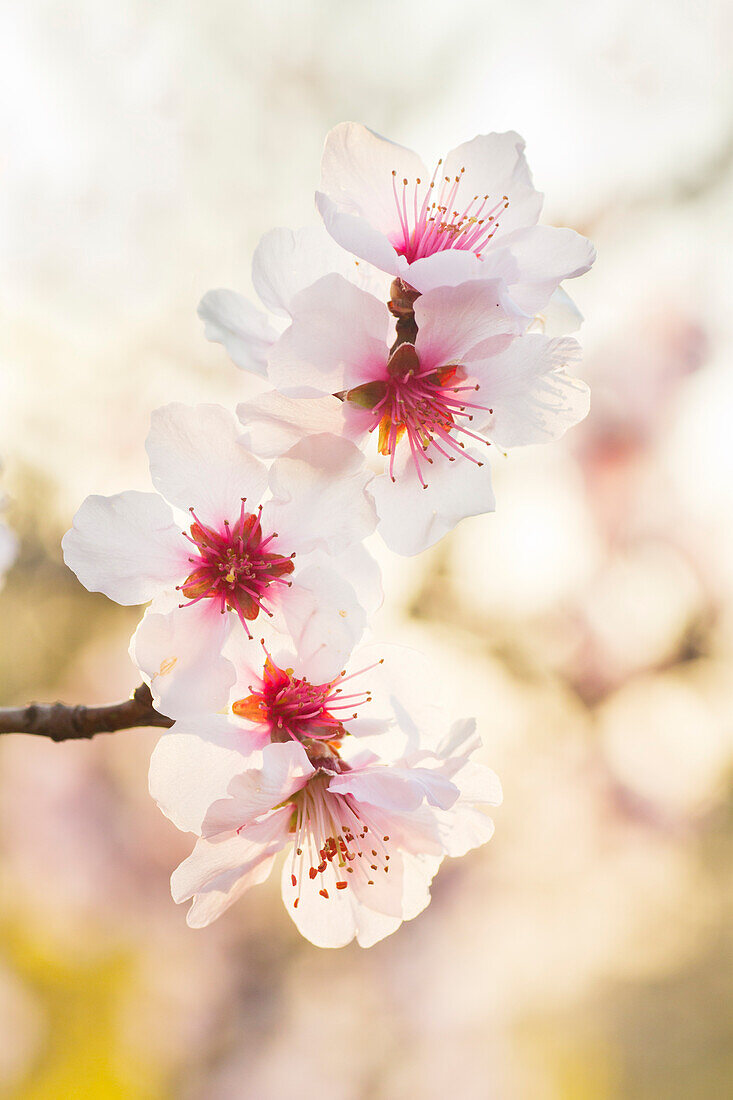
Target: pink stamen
<point>428,224</point>
<point>234,567</point>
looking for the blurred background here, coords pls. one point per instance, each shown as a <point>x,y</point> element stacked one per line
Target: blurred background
<point>587,952</point>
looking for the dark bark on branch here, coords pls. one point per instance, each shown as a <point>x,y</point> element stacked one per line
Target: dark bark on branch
<point>61,722</point>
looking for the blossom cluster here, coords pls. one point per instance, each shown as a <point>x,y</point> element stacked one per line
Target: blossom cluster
<point>420,325</point>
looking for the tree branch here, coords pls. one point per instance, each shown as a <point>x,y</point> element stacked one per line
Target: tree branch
<point>61,722</point>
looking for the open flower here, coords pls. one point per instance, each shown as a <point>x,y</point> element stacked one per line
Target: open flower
<point>253,543</point>
<point>302,687</point>
<point>432,406</point>
<point>367,818</point>
<point>284,263</point>
<point>473,216</point>
<point>365,838</point>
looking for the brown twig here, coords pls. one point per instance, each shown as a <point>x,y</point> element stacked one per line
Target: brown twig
<point>61,722</point>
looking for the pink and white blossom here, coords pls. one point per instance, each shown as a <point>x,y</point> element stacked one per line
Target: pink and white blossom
<point>8,550</point>
<point>473,217</point>
<point>8,544</point>
<point>434,406</point>
<point>364,837</point>
<point>284,263</point>
<point>223,534</point>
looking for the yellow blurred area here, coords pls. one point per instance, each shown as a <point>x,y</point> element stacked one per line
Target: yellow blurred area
<point>586,953</point>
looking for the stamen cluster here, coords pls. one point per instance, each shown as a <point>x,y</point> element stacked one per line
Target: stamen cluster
<point>333,844</point>
<point>422,405</point>
<point>290,707</point>
<point>427,227</point>
<point>233,566</point>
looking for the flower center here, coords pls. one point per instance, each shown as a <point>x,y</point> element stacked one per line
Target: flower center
<point>233,566</point>
<point>335,843</point>
<point>425,406</point>
<point>291,708</point>
<point>431,220</point>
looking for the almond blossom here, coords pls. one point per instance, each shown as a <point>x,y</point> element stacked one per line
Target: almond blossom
<point>367,818</point>
<point>473,217</point>
<point>285,262</point>
<point>8,550</point>
<point>434,405</point>
<point>365,835</point>
<point>224,534</point>
<point>288,687</point>
<point>8,545</point>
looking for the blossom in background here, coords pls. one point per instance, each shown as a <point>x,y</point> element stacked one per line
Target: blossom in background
<point>8,550</point>
<point>367,832</point>
<point>231,552</point>
<point>473,217</point>
<point>285,262</point>
<point>8,545</point>
<point>433,406</point>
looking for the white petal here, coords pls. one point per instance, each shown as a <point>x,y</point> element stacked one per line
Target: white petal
<point>465,828</point>
<point>561,315</point>
<point>219,871</point>
<point>326,922</point>
<point>395,788</point>
<point>287,261</point>
<point>544,256</point>
<point>179,655</point>
<point>357,235</point>
<point>337,339</point>
<point>448,268</point>
<point>193,766</point>
<point>412,518</point>
<point>495,165</point>
<point>357,173</point>
<point>244,330</point>
<point>532,398</point>
<point>126,546</point>
<point>324,617</point>
<point>230,854</point>
<point>357,566</point>
<point>345,914</point>
<point>273,423</point>
<point>456,323</point>
<point>400,704</point>
<point>460,741</point>
<point>319,495</point>
<point>283,769</point>
<point>478,783</point>
<point>216,898</point>
<point>196,461</point>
